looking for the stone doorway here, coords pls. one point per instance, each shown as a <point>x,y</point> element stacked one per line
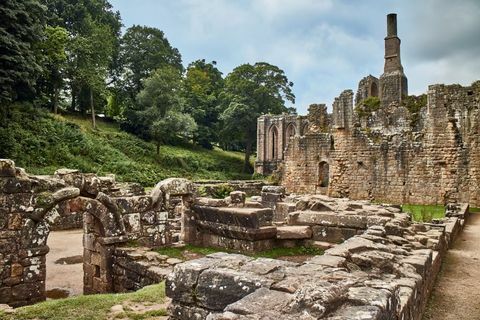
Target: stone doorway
<point>323,172</point>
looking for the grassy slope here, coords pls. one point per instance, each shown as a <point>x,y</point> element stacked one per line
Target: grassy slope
<point>42,143</point>
<point>91,307</point>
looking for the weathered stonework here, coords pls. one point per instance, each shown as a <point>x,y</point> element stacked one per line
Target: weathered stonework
<point>393,152</point>
<point>111,215</point>
<point>386,272</point>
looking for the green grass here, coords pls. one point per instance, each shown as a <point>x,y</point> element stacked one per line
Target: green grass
<point>474,210</point>
<point>91,307</point>
<point>177,252</point>
<point>42,143</point>
<point>424,213</point>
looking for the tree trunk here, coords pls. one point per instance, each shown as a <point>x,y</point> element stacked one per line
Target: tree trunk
<point>158,148</point>
<point>247,168</point>
<point>92,108</point>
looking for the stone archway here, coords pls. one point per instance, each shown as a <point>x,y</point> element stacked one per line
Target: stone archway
<point>374,89</point>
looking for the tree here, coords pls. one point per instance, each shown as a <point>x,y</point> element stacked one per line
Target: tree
<point>21,29</point>
<point>144,50</point>
<point>94,31</point>
<point>250,91</point>
<point>54,63</point>
<point>161,116</point>
<point>202,86</point>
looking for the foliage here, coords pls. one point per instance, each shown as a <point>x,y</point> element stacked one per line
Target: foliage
<point>94,30</point>
<point>221,191</point>
<point>144,50</point>
<point>173,124</point>
<point>202,86</point>
<point>367,106</point>
<point>424,213</point>
<point>21,27</point>
<point>54,63</point>
<point>414,104</point>
<point>42,143</point>
<point>250,91</point>
<point>91,307</point>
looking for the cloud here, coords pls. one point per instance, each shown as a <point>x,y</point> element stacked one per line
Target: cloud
<point>324,46</point>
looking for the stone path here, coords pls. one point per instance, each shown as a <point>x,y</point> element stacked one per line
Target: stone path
<point>63,277</point>
<point>457,291</point>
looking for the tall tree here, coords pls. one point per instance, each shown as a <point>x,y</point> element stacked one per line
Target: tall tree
<point>144,50</point>
<point>202,86</point>
<point>88,22</point>
<point>21,29</point>
<point>162,117</point>
<point>54,63</point>
<point>250,91</point>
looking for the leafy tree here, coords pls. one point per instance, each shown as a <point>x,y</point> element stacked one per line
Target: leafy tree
<point>144,50</point>
<point>54,63</point>
<point>93,47</point>
<point>250,91</point>
<point>202,85</point>
<point>21,29</point>
<point>161,116</point>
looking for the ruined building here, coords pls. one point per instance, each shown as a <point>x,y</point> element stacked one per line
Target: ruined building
<point>380,144</point>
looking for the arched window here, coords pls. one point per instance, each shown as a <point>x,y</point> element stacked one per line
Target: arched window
<point>273,143</point>
<point>291,131</point>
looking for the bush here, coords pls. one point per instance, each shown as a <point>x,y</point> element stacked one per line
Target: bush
<point>367,106</point>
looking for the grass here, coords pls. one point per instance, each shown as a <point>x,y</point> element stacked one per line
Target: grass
<point>178,252</point>
<point>424,213</point>
<point>92,307</point>
<point>41,143</point>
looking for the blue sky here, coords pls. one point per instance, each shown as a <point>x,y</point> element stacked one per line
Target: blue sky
<point>324,46</point>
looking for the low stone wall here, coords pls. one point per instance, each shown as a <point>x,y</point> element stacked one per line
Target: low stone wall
<point>135,268</point>
<point>387,272</point>
<point>211,188</point>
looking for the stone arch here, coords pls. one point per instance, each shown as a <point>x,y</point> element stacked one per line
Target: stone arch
<point>273,140</point>
<point>291,130</point>
<point>374,89</point>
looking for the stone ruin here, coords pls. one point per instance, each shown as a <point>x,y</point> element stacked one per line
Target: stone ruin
<point>400,150</point>
<point>378,264</point>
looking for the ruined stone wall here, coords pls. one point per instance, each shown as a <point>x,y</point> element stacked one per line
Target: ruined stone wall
<point>434,166</point>
<point>387,272</point>
<point>112,215</point>
<point>305,160</point>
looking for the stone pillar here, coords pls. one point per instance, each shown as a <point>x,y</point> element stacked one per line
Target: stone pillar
<point>393,82</point>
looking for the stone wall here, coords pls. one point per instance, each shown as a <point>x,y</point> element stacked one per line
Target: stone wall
<point>434,166</point>
<point>306,159</point>
<point>113,214</point>
<point>385,273</point>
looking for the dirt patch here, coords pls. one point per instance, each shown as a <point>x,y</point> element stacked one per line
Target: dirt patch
<point>65,246</point>
<point>457,291</point>
<point>70,260</point>
<point>57,293</point>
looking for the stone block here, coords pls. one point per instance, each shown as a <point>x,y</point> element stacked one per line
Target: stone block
<point>327,219</point>
<point>333,234</point>
<point>7,168</point>
<point>294,232</point>
<point>237,198</point>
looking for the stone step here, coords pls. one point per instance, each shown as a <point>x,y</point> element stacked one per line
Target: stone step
<point>294,232</point>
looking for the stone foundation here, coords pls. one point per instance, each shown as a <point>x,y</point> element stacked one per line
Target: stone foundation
<point>387,272</point>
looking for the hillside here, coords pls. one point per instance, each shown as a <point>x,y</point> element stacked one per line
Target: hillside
<point>41,143</point>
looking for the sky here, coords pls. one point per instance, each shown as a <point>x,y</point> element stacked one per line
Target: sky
<point>324,46</point>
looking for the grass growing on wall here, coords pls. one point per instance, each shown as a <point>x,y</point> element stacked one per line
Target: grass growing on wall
<point>93,307</point>
<point>424,213</point>
<point>42,143</point>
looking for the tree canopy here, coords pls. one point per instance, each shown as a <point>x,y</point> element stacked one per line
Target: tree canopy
<point>250,91</point>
